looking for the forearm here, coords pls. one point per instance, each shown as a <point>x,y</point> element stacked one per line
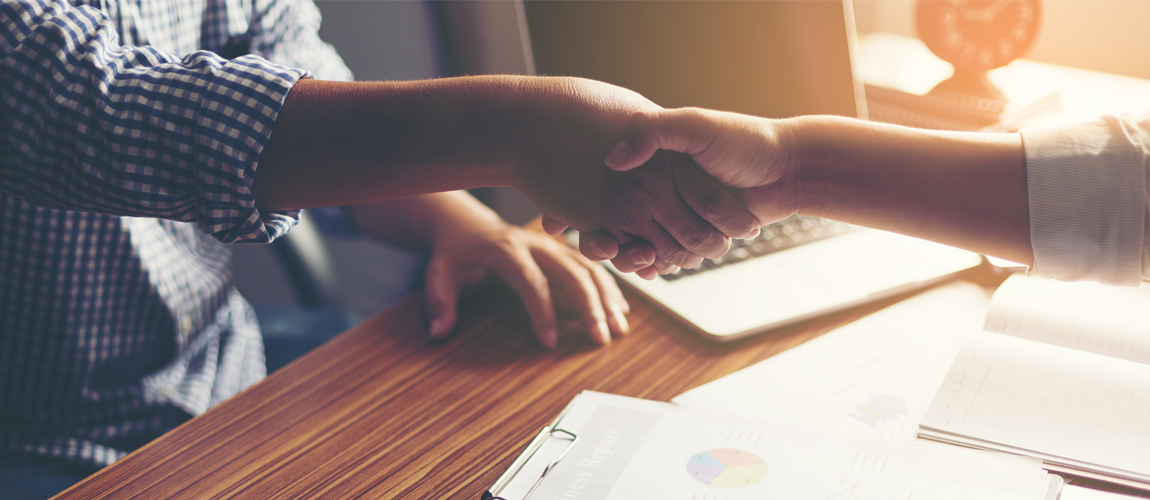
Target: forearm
<point>415,222</point>
<point>340,143</point>
<point>963,189</point>
<point>348,143</point>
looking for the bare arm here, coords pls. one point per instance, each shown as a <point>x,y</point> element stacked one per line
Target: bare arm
<point>963,189</point>
<point>350,143</point>
<point>345,143</point>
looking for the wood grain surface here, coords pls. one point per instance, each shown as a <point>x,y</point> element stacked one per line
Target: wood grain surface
<point>380,412</point>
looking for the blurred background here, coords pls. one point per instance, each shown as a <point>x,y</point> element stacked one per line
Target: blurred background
<point>413,39</point>
<point>1111,36</point>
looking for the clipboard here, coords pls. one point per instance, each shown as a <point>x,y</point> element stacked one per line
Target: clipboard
<point>548,432</point>
<point>635,448</point>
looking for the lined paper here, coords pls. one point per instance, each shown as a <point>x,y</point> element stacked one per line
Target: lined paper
<point>1049,400</point>
<point>1106,320</point>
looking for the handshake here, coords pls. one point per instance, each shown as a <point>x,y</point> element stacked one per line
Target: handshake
<point>686,181</point>
<point>676,187</point>
<point>671,186</point>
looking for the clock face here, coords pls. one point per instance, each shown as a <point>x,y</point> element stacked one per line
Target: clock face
<point>979,35</point>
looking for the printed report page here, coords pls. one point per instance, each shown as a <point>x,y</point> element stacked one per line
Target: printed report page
<point>636,449</point>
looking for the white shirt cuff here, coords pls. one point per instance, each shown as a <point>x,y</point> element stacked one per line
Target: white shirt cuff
<point>1087,190</point>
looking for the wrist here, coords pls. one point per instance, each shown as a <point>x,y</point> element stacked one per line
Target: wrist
<point>462,214</point>
<point>789,137</point>
<point>561,121</point>
<point>820,166</point>
<point>804,167</point>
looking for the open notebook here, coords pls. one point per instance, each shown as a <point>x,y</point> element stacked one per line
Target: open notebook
<point>1065,377</point>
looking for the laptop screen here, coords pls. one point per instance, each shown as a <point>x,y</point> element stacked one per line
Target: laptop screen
<point>766,58</point>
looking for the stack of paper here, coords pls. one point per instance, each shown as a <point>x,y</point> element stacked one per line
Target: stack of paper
<point>834,418</point>
<point>1065,378</point>
<point>635,449</point>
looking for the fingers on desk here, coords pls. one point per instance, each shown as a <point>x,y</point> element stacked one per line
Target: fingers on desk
<point>441,296</point>
<point>530,268</point>
<point>580,281</point>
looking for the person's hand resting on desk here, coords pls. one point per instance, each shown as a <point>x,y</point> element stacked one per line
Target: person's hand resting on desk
<point>467,241</point>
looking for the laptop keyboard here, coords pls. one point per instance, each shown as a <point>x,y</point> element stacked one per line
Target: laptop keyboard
<point>788,233</point>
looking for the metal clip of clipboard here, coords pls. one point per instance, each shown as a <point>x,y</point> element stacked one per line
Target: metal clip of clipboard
<point>521,461</point>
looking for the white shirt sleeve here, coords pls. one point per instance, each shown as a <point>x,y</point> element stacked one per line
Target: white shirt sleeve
<point>1087,186</point>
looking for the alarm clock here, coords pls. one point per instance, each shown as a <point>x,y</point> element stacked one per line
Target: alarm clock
<point>977,36</point>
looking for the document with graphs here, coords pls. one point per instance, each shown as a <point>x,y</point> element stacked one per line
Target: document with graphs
<point>1064,377</point>
<point>876,376</point>
<point>607,447</point>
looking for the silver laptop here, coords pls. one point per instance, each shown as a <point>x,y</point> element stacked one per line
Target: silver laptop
<point>766,58</point>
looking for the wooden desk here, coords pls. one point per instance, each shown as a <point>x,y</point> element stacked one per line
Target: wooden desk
<point>379,412</point>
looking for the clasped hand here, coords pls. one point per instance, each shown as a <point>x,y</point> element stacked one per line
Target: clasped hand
<point>681,211</point>
<point>754,158</point>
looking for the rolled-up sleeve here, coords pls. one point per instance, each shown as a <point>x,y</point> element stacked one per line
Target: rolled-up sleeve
<point>90,125</point>
<point>1088,199</point>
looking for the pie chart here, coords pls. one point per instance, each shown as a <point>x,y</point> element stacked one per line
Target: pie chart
<point>727,468</point>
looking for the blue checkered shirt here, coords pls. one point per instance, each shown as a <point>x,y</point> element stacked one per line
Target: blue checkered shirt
<point>127,154</point>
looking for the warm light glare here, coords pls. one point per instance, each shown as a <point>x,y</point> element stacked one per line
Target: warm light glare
<point>1101,35</point>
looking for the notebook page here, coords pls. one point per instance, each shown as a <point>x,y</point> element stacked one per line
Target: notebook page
<point>1048,399</point>
<point>1112,321</point>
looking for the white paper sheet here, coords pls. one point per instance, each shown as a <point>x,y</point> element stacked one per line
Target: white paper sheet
<point>1092,317</point>
<point>875,376</point>
<point>1069,407</point>
<point>1071,492</point>
<point>634,449</point>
